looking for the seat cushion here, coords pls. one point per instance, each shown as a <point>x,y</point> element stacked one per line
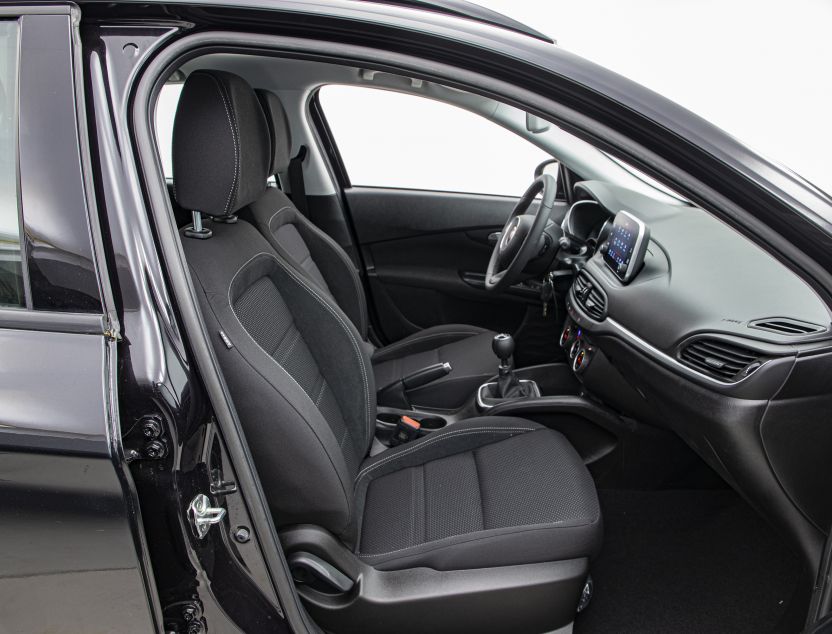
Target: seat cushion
<point>485,492</point>
<point>466,348</point>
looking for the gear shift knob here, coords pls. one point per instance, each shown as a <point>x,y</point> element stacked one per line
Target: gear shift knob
<point>503,347</point>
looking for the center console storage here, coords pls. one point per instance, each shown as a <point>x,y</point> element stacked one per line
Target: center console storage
<point>396,426</point>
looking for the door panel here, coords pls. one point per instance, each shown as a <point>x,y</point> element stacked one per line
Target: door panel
<point>426,255</point>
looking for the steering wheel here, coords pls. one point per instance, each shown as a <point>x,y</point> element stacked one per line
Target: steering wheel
<point>520,239</point>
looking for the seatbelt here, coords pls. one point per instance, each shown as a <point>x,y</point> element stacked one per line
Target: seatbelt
<point>296,181</point>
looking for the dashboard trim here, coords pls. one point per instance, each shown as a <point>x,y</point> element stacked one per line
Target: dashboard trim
<point>665,358</point>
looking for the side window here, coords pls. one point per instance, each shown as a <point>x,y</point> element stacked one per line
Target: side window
<point>11,275</point>
<point>165,112</point>
<point>390,139</point>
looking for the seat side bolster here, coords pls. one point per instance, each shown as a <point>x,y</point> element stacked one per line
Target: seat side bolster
<point>273,210</point>
<point>307,475</point>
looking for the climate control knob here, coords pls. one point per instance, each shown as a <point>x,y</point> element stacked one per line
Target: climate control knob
<point>581,360</point>
<point>573,351</point>
<point>566,335</point>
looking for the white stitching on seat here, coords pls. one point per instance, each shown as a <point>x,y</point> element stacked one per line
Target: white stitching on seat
<point>408,342</point>
<point>362,308</point>
<point>245,330</point>
<point>461,432</point>
<point>325,304</point>
<point>234,138</point>
<point>274,215</point>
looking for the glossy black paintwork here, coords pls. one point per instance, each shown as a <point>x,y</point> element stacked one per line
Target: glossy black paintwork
<point>157,377</point>
<point>56,229</point>
<point>67,525</point>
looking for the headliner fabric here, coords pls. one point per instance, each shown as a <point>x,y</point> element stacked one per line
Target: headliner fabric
<point>221,149</point>
<point>490,491</point>
<point>278,124</point>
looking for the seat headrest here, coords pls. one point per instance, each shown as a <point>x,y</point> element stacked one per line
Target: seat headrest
<point>278,129</point>
<point>221,149</point>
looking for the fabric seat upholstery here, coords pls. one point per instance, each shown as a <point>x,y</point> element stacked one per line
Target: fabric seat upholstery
<point>484,492</point>
<point>324,261</point>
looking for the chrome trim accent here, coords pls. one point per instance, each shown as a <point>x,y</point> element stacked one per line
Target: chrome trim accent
<point>203,516</point>
<point>576,368</point>
<point>667,360</point>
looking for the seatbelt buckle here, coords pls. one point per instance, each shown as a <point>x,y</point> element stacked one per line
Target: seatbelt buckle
<point>406,430</point>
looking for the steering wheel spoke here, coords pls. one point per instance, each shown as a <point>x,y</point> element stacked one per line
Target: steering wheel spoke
<point>521,234</point>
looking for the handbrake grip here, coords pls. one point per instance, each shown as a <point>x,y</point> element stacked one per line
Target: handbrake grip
<point>395,394</point>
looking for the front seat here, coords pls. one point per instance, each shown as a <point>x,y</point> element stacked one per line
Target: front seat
<point>487,525</point>
<point>317,256</point>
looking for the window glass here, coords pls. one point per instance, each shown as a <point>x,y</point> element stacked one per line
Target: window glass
<point>11,275</point>
<point>165,111</point>
<point>390,139</point>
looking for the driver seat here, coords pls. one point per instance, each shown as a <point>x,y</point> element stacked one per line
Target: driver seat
<point>324,262</point>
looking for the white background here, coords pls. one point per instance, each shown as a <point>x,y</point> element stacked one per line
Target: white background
<point>759,69</point>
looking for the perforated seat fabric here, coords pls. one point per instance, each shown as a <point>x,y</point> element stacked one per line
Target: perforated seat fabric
<point>323,261</point>
<point>487,492</point>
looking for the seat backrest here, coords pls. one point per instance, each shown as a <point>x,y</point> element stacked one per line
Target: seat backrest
<point>295,237</point>
<point>295,365</point>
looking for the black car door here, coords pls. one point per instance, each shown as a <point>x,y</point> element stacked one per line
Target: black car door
<point>428,187</point>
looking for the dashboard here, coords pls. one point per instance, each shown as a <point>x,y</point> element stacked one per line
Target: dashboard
<point>677,320</point>
<point>674,281</point>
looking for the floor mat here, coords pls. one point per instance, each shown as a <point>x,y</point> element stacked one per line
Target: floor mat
<point>687,561</point>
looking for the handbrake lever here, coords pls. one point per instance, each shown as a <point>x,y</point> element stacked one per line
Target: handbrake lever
<point>395,394</point>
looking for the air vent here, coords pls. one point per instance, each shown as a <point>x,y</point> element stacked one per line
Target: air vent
<point>787,326</point>
<point>723,361</point>
<point>590,298</point>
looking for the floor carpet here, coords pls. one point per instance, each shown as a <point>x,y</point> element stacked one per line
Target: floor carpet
<point>687,561</point>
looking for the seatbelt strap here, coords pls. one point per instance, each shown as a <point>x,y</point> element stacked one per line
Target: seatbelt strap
<point>296,181</point>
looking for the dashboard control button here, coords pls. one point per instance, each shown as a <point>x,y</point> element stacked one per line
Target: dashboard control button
<point>566,336</point>
<point>581,360</point>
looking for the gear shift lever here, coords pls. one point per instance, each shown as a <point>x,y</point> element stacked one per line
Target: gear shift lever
<point>507,384</point>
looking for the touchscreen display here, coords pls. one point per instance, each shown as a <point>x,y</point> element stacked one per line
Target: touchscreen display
<point>621,243</point>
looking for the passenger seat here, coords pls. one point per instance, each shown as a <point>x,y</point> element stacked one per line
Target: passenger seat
<point>485,526</point>
<point>317,256</point>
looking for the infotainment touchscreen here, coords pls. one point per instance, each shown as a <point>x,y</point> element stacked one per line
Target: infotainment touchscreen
<point>626,245</point>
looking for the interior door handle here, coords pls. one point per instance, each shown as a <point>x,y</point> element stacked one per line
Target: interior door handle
<point>494,237</point>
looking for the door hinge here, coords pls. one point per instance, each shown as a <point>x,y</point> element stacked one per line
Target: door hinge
<point>185,617</point>
<point>147,439</point>
<point>202,515</point>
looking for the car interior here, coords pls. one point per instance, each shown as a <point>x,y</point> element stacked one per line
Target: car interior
<point>578,404</point>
